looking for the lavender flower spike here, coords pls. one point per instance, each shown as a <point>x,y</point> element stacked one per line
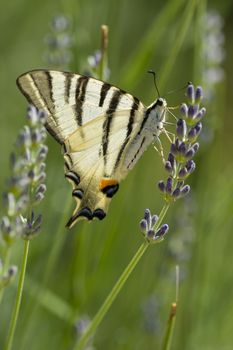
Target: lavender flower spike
<point>180,162</point>
<point>26,186</point>
<point>147,225</point>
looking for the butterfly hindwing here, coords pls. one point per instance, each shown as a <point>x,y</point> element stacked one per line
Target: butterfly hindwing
<point>95,122</point>
<point>98,176</point>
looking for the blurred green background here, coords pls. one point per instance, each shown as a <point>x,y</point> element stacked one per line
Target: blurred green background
<point>70,273</point>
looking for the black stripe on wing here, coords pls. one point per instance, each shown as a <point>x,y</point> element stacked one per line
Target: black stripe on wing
<point>134,108</point>
<point>108,121</point>
<point>68,78</point>
<point>80,94</point>
<point>103,93</point>
<point>46,100</point>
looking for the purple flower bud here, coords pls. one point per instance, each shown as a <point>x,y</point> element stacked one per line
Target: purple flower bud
<point>161,186</point>
<point>169,185</point>
<point>180,184</point>
<point>190,93</point>
<point>190,166</point>
<point>192,135</point>
<point>41,188</point>
<point>177,143</point>
<point>198,128</point>
<point>147,217</point>
<point>32,115</point>
<point>41,178</point>
<point>192,111</point>
<point>182,148</point>
<point>36,136</point>
<point>198,94</point>
<point>162,231</point>
<point>200,114</point>
<point>168,167</point>
<point>171,159</point>
<point>196,147</point>
<point>181,128</point>
<point>184,110</point>
<point>185,190</point>
<point>176,192</point>
<point>31,174</point>
<point>183,173</point>
<point>42,167</point>
<point>27,155</point>
<point>43,117</point>
<point>94,60</point>
<point>192,151</point>
<point>154,219</point>
<point>143,225</point>
<point>151,234</point>
<point>43,150</point>
<point>173,149</point>
<point>39,197</point>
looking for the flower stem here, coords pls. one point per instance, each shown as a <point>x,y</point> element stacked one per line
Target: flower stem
<point>15,312</point>
<point>111,297</point>
<point>170,327</point>
<point>116,289</point>
<point>172,316</point>
<point>104,51</point>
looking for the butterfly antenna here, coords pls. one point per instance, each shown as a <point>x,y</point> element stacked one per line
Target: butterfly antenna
<point>156,87</point>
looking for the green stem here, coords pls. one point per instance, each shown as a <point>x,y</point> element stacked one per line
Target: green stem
<point>15,312</point>
<point>116,289</point>
<point>170,327</point>
<point>172,316</point>
<point>111,297</point>
<point>104,52</point>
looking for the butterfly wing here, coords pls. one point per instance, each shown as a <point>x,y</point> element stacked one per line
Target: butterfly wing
<point>70,100</point>
<point>95,178</point>
<point>95,122</point>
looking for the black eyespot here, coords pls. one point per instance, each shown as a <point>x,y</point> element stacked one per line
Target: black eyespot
<point>77,193</point>
<point>99,213</point>
<point>109,191</point>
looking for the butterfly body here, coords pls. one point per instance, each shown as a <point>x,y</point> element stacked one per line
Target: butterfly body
<point>102,129</point>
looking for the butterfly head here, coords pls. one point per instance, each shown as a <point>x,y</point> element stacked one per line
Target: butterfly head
<point>157,114</point>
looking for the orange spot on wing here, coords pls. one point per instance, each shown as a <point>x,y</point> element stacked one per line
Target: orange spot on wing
<point>107,182</point>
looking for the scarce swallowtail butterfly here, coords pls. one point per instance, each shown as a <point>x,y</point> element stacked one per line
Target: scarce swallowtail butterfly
<point>102,129</point>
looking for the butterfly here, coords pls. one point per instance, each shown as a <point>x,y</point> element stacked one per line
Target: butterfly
<point>102,129</point>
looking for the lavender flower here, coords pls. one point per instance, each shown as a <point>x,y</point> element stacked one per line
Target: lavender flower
<point>26,186</point>
<point>180,162</point>
<point>59,42</point>
<point>148,227</point>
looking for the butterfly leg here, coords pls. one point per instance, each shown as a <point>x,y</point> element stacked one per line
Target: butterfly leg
<point>160,149</point>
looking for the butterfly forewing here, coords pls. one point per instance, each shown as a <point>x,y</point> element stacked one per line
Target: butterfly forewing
<point>95,122</point>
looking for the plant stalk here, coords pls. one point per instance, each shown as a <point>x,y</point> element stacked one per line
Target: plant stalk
<point>83,340</point>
